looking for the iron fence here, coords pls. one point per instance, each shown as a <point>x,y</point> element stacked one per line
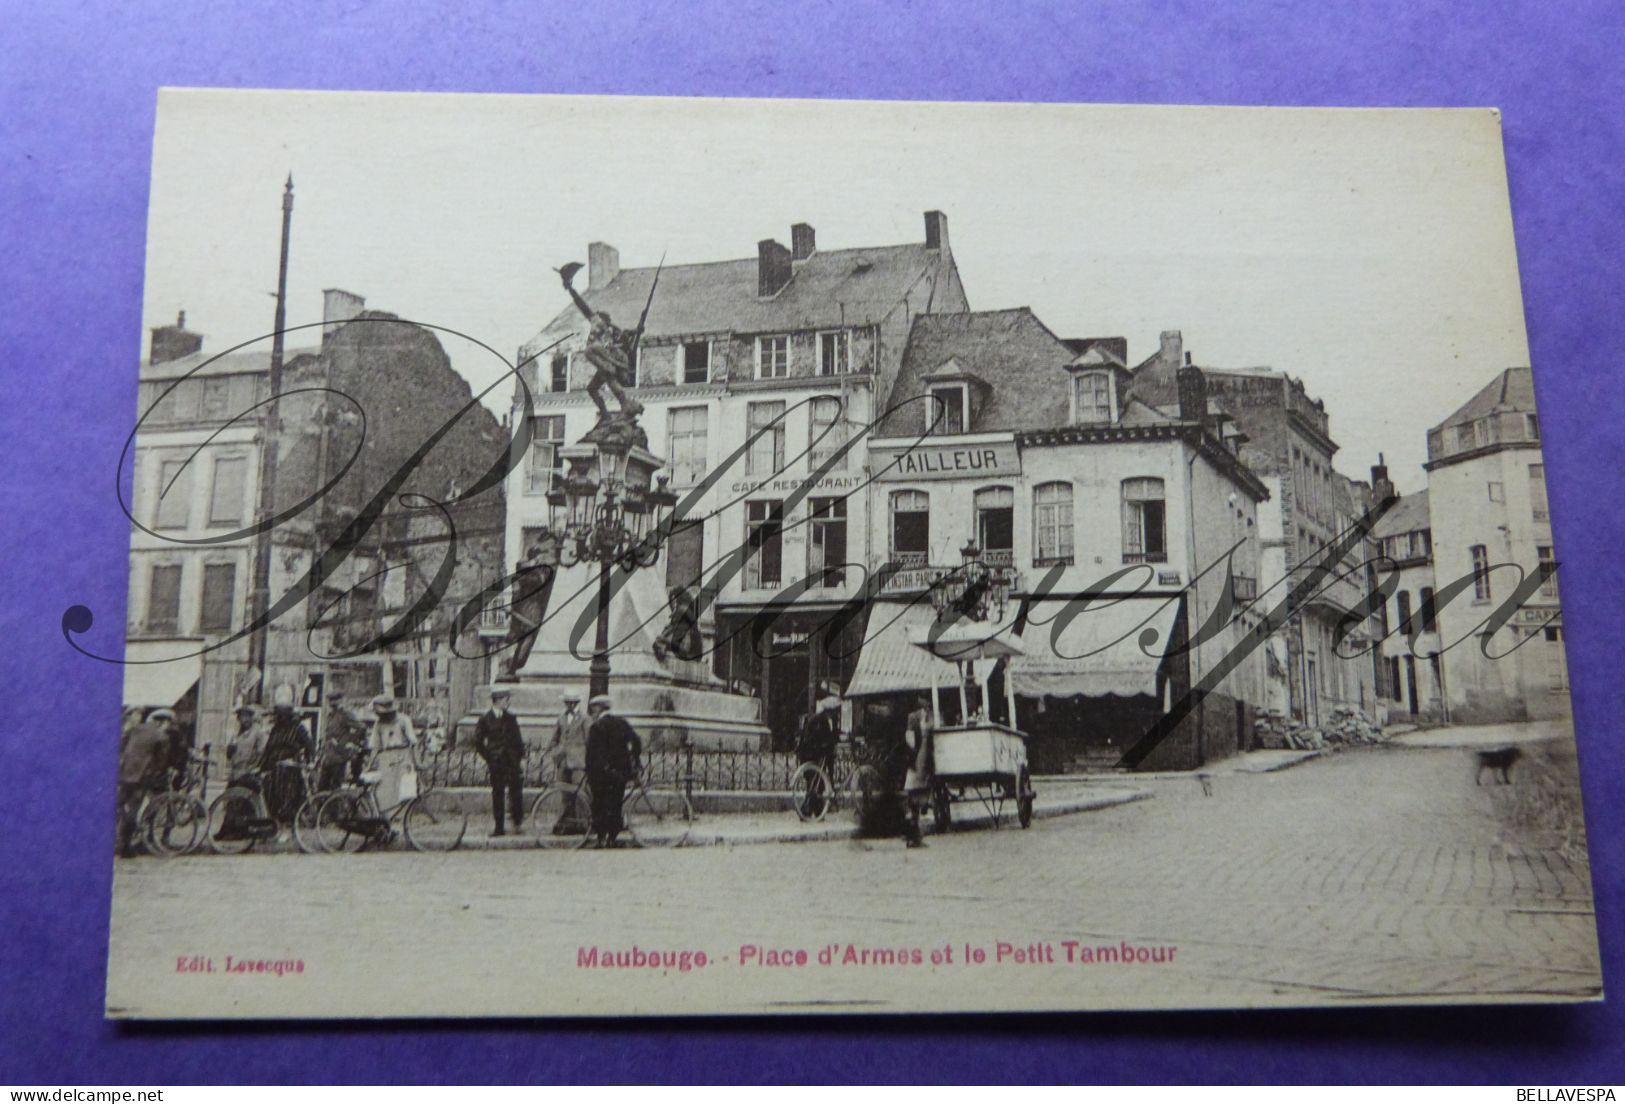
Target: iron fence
<point>666,766</point>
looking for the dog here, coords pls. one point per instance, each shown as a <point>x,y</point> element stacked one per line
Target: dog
<point>1499,761</point>
<point>1206,781</point>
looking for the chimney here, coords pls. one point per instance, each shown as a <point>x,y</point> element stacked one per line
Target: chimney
<point>338,307</point>
<point>174,342</point>
<point>1192,394</point>
<point>1382,488</point>
<point>802,242</point>
<point>1172,348</point>
<point>936,231</point>
<point>772,268</point>
<point>603,264</point>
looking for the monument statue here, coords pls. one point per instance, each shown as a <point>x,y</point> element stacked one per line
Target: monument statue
<point>611,350</point>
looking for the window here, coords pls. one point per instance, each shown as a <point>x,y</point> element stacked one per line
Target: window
<point>546,439</point>
<point>217,398</point>
<point>1092,398</point>
<point>174,494</point>
<point>996,524</point>
<point>1430,614</point>
<point>164,598</point>
<point>1421,543</point>
<point>1405,612</point>
<point>1557,660</point>
<point>686,435</point>
<point>1531,427</point>
<point>1481,573</point>
<point>1464,436</point>
<point>219,592</point>
<point>1144,536</point>
<point>766,455</point>
<point>1498,492</point>
<point>910,527</point>
<point>1537,492</point>
<point>946,411</point>
<point>696,362</point>
<point>227,496</point>
<point>826,543</point>
<point>559,372</point>
<point>773,356</point>
<point>1052,523</point>
<point>1548,562</point>
<point>764,543</point>
<point>834,353</point>
<point>826,433</point>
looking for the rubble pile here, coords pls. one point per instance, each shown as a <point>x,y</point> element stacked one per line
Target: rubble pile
<point>1274,729</point>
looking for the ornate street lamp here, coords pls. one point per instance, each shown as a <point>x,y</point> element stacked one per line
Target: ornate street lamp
<point>974,591</point>
<point>607,508</point>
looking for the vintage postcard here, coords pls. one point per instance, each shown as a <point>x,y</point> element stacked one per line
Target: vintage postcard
<point>610,556</point>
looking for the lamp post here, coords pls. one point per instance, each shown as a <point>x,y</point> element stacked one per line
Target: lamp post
<point>608,509</point>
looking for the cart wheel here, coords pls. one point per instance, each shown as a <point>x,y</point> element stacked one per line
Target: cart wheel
<point>1024,799</point>
<point>941,807</point>
<point>811,791</point>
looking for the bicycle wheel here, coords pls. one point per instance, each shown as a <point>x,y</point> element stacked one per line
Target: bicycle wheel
<point>230,819</point>
<point>656,818</point>
<point>811,791</point>
<point>342,824</point>
<point>869,790</point>
<point>561,813</point>
<point>175,824</point>
<point>434,822</point>
<point>304,823</point>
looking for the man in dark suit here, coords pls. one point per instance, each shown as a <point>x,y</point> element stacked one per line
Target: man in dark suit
<point>613,755</point>
<point>498,742</point>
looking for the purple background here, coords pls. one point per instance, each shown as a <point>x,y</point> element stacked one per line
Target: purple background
<point>77,95</point>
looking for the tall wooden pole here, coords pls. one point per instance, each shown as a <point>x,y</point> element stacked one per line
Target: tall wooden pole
<point>268,447</point>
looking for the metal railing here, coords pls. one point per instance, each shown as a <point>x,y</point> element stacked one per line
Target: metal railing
<point>667,766</point>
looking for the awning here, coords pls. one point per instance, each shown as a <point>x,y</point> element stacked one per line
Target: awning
<point>163,682</point>
<point>1115,648</point>
<point>889,663</point>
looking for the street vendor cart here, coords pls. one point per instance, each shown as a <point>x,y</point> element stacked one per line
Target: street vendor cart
<point>978,759</point>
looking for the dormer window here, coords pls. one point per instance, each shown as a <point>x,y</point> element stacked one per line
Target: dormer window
<point>949,409</point>
<point>1092,398</point>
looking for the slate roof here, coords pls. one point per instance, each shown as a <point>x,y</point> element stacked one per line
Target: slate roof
<point>1512,390</point>
<point>1408,514</point>
<point>830,288</point>
<point>1021,360</point>
<point>257,359</point>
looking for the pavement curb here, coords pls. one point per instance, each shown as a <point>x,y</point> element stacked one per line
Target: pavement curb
<point>707,832</point>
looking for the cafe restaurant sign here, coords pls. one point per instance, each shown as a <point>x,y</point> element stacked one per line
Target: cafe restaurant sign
<point>972,460</point>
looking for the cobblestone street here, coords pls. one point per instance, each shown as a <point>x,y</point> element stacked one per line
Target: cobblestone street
<point>1375,874</point>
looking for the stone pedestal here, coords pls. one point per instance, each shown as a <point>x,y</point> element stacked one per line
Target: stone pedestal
<point>665,700</point>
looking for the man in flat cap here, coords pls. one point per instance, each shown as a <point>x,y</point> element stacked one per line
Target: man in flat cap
<point>499,743</point>
<point>613,759</point>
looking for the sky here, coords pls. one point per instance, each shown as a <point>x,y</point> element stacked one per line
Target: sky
<point>1367,252</point>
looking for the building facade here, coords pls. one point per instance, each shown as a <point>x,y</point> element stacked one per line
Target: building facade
<point>752,375</point>
<point>1491,526</point>
<point>1317,663</point>
<point>351,413</point>
<point>1117,521</point>
<point>1411,669</point>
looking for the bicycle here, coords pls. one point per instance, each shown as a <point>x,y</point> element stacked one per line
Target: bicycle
<point>240,817</point>
<point>174,821</point>
<point>351,818</point>
<point>651,817</point>
<point>304,821</point>
<point>814,792</point>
